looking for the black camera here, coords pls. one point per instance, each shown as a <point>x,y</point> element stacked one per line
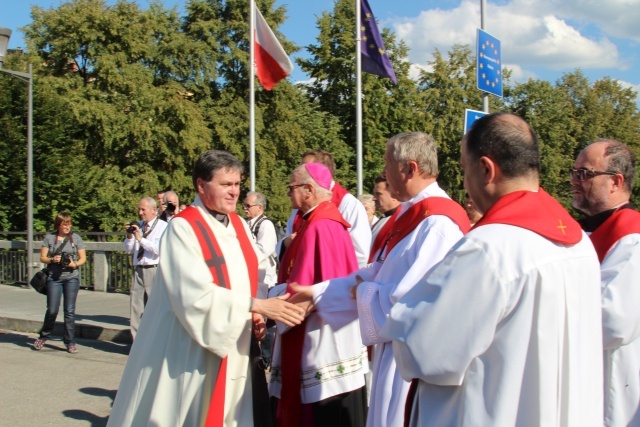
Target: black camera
<point>131,229</point>
<point>65,259</point>
<point>171,208</point>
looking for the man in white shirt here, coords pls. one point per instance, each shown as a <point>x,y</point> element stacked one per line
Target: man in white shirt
<point>264,233</point>
<point>602,181</point>
<point>505,330</point>
<point>263,230</point>
<point>420,233</point>
<point>143,241</point>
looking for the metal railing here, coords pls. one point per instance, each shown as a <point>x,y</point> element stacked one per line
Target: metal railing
<point>13,269</point>
<point>94,236</point>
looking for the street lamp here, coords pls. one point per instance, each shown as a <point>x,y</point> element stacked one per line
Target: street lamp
<point>5,35</point>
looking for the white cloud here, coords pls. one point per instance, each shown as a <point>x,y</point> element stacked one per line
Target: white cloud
<point>616,18</point>
<point>531,35</point>
<point>635,87</point>
<point>519,74</point>
<point>550,42</point>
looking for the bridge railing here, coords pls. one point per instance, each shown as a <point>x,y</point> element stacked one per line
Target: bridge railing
<point>108,267</point>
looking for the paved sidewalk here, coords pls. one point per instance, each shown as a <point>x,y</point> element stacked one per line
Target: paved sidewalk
<point>53,388</point>
<point>99,316</point>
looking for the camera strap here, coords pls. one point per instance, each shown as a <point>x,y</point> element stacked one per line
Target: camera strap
<point>64,242</point>
<point>59,249</point>
<point>146,233</point>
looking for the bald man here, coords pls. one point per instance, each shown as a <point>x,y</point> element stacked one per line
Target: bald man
<point>505,331</point>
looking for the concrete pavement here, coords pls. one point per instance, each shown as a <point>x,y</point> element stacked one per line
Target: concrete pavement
<point>51,387</point>
<point>99,315</point>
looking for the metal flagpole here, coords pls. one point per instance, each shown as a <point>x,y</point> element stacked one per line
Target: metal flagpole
<point>252,97</point>
<point>358,99</point>
<point>485,95</point>
<point>31,265</point>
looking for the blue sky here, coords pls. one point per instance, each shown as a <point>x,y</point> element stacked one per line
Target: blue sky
<point>540,39</point>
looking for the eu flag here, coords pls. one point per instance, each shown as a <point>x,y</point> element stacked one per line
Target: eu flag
<point>374,56</point>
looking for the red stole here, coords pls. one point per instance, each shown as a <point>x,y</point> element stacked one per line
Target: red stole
<point>337,194</point>
<point>293,339</point>
<point>394,231</point>
<point>534,211</point>
<point>217,266</point>
<point>621,223</point>
<point>537,212</point>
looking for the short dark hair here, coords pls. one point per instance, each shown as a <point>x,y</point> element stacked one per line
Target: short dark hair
<point>380,179</point>
<point>212,161</point>
<point>323,157</point>
<point>508,140</point>
<point>620,159</point>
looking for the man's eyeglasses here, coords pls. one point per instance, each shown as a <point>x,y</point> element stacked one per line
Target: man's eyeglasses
<point>249,206</point>
<point>585,174</point>
<point>293,187</point>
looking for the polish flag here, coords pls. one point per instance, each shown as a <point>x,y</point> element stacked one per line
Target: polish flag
<point>272,62</point>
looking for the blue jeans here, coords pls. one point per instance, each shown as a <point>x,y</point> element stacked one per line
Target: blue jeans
<point>55,289</point>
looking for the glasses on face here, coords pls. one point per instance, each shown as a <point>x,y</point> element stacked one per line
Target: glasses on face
<point>248,206</point>
<point>585,174</point>
<point>294,186</point>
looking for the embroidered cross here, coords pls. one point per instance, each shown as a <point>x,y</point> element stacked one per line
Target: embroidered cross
<point>217,262</point>
<point>426,213</point>
<point>341,369</point>
<point>562,227</point>
<point>318,376</point>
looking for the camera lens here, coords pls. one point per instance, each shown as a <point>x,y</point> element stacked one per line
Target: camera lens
<point>65,259</point>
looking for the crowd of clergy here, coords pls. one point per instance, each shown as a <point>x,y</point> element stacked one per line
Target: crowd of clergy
<point>504,312</point>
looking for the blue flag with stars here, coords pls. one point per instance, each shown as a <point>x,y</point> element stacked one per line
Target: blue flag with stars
<point>374,56</point>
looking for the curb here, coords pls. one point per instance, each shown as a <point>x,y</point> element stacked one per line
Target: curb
<point>85,331</point>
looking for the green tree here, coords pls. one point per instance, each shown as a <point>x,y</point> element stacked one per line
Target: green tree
<point>548,110</point>
<point>287,122</point>
<point>449,87</point>
<point>388,109</point>
<point>134,123</point>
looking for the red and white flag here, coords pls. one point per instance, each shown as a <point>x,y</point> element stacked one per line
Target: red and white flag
<point>272,62</point>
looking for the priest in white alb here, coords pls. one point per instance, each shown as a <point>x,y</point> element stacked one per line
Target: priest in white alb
<point>602,182</point>
<point>505,331</point>
<point>190,362</point>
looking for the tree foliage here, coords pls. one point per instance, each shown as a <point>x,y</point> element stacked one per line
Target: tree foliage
<point>126,98</point>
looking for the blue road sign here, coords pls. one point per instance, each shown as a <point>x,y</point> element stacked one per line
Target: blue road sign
<point>471,116</point>
<point>489,63</point>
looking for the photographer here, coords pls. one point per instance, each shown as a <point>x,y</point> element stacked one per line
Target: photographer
<point>64,252</point>
<point>170,205</point>
<point>143,241</point>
